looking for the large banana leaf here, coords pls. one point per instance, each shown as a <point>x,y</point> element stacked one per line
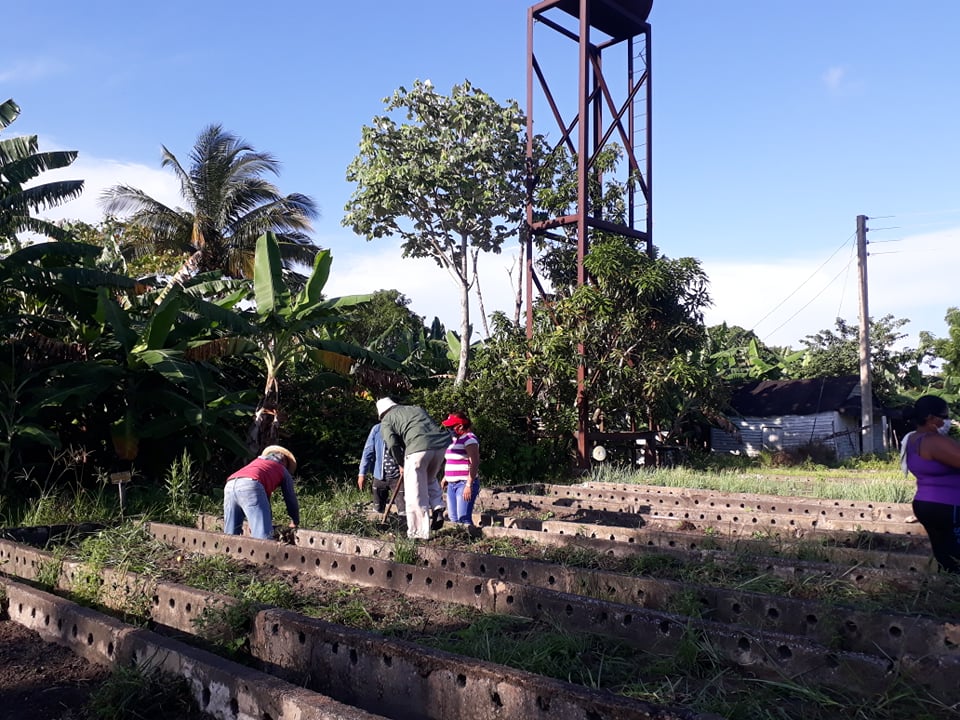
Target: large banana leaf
<point>312,293</point>
<point>39,197</point>
<point>9,111</point>
<point>40,251</point>
<point>154,335</point>
<point>268,286</point>
<point>30,164</point>
<point>111,314</point>
<point>37,434</point>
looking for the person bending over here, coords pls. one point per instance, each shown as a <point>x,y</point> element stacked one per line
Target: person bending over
<point>248,490</point>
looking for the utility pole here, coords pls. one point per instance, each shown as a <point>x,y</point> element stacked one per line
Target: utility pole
<point>866,386</point>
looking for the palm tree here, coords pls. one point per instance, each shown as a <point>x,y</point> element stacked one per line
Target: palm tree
<point>20,162</point>
<point>229,205</point>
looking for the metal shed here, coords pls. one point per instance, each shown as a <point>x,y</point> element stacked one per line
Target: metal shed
<point>783,414</point>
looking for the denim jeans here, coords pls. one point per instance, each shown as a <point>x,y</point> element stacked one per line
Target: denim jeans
<point>243,497</point>
<point>460,510</point>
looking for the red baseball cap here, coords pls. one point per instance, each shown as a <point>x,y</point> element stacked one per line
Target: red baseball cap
<point>454,419</point>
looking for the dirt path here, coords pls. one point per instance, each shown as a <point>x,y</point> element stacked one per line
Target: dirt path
<point>41,681</point>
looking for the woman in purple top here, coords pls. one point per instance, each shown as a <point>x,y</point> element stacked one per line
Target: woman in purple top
<point>934,459</point>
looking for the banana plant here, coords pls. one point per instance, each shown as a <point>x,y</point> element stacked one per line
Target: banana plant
<point>294,326</point>
<point>170,387</point>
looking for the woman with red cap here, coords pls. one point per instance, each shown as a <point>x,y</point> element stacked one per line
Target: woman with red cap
<point>462,463</point>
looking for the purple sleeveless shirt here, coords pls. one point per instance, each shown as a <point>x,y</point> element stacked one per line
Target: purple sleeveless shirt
<point>936,482</point>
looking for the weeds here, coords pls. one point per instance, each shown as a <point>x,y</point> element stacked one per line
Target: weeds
<point>883,486</point>
<point>342,509</point>
<point>144,693</point>
<point>48,571</point>
<point>179,483</point>
<point>227,625</point>
<point>128,547</point>
<point>405,551</point>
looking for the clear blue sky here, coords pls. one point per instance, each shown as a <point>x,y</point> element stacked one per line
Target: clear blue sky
<point>775,125</point>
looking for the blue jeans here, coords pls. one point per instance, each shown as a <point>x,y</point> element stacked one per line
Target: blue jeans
<point>243,497</point>
<point>460,510</point>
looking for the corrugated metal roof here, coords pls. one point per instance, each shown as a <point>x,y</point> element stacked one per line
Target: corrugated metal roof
<point>763,398</point>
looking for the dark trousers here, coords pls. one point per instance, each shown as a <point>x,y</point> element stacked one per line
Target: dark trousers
<point>942,523</point>
<point>382,490</point>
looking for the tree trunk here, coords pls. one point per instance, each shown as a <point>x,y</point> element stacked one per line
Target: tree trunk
<point>464,367</point>
<point>483,310</point>
<point>463,370</point>
<point>265,428</point>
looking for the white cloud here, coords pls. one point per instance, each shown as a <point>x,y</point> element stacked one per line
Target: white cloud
<point>431,290</point>
<point>29,71</point>
<point>99,174</point>
<point>909,279</point>
<point>833,78</point>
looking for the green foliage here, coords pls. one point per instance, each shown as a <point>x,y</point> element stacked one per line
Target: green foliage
<point>298,326</point>
<point>60,500</point>
<point>500,410</point>
<point>589,660</point>
<point>143,692</point>
<point>228,624</point>
<point>119,240</point>
<point>405,551</point>
<point>48,571</point>
<point>836,354</point>
<point>21,163</point>
<point>337,507</point>
<point>738,355</point>
<point>387,326</point>
<point>229,205</point>
<point>180,483</point>
<point>129,547</point>
<point>449,182</point>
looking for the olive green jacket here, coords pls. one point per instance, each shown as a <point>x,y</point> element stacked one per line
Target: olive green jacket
<point>407,429</point>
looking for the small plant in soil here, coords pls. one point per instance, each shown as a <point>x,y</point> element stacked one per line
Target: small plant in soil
<point>144,693</point>
<point>405,551</point>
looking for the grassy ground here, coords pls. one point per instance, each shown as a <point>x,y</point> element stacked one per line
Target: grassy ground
<point>695,677</point>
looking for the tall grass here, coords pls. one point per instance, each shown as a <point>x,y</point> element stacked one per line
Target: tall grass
<point>888,486</point>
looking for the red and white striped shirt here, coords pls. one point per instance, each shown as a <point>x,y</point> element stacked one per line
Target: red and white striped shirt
<point>457,468</point>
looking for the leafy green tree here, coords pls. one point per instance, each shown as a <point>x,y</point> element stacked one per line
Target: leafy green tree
<point>229,205</point>
<point>449,182</point>
<point>637,317</point>
<point>117,238</point>
<point>836,353</point>
<point>737,354</point>
<point>640,324</point>
<point>387,326</point>
<point>21,162</point>
<point>948,348</point>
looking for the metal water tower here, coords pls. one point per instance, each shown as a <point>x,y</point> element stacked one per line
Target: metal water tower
<point>612,103</point>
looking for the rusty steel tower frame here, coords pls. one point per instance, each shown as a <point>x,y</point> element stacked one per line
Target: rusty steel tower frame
<point>607,110</point>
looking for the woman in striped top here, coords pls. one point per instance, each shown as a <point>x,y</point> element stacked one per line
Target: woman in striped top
<point>462,463</point>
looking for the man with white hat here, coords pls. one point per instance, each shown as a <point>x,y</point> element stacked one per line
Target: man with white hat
<point>247,493</point>
<point>419,444</point>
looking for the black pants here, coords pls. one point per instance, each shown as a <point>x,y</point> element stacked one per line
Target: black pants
<point>942,523</point>
<point>382,490</point>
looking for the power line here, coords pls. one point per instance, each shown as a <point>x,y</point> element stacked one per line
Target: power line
<point>812,275</point>
<point>843,270</point>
